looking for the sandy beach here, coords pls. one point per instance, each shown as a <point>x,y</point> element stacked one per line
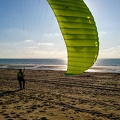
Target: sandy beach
<point>50,95</point>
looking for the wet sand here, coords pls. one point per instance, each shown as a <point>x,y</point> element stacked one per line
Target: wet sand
<point>50,95</point>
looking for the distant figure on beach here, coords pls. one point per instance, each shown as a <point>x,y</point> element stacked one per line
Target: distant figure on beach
<point>20,77</point>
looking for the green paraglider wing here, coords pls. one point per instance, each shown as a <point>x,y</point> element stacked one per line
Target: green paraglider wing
<point>79,31</point>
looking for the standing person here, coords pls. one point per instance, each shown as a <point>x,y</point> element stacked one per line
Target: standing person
<point>20,77</point>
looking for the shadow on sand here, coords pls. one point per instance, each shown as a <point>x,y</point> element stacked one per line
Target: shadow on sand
<point>2,93</point>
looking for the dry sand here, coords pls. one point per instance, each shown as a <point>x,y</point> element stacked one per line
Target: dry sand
<point>50,95</point>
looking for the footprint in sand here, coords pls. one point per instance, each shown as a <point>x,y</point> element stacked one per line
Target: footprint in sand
<point>43,118</point>
<point>29,111</point>
<point>12,113</point>
<point>6,115</point>
<point>4,107</point>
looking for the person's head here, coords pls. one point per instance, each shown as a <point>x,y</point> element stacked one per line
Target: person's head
<point>20,70</point>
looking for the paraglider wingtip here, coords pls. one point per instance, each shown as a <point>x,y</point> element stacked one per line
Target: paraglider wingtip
<point>68,74</point>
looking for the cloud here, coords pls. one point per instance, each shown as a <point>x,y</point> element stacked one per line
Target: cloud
<point>51,34</point>
<point>110,49</point>
<point>6,51</point>
<point>28,41</point>
<point>102,32</point>
<point>46,54</point>
<point>45,44</point>
<point>113,52</point>
<point>39,48</point>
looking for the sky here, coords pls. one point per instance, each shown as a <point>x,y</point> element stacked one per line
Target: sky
<point>29,29</point>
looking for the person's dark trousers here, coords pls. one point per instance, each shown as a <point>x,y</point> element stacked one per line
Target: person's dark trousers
<point>22,84</point>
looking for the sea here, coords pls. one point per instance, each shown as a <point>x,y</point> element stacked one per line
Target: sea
<point>101,65</point>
